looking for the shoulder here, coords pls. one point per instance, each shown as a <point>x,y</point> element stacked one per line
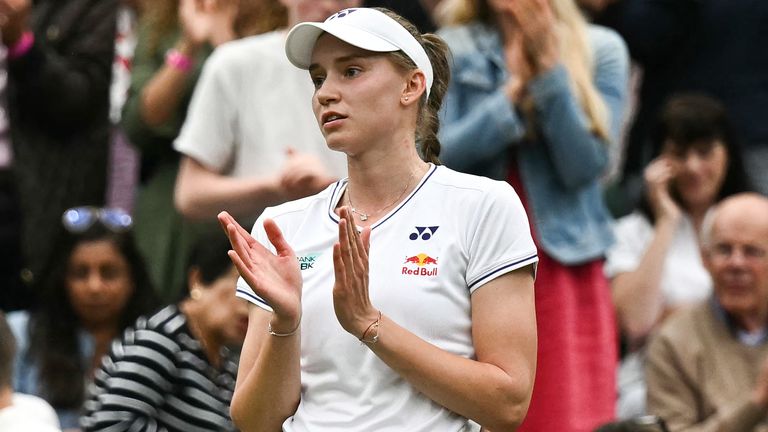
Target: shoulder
<point>606,42</point>
<point>464,187</point>
<point>19,323</point>
<point>681,331</point>
<point>464,39</point>
<point>166,321</point>
<point>633,223</point>
<point>33,407</point>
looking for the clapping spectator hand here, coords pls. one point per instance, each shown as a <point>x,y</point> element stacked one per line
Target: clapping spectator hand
<point>207,21</point>
<point>537,25</point>
<point>303,174</point>
<point>531,45</point>
<point>14,18</point>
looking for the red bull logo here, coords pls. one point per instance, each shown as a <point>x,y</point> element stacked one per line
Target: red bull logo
<point>422,261</point>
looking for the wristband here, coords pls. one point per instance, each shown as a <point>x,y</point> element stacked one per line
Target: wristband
<point>21,46</point>
<point>175,59</point>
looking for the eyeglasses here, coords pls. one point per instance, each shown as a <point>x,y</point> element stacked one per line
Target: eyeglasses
<point>79,219</point>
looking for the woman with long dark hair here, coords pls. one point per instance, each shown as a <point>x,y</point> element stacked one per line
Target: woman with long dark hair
<point>94,287</point>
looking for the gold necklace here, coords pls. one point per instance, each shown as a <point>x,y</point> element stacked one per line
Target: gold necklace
<point>364,216</point>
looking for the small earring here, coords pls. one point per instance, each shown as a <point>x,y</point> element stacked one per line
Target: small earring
<point>406,98</point>
<point>196,293</point>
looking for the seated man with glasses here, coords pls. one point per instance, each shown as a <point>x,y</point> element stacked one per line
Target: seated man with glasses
<point>707,368</point>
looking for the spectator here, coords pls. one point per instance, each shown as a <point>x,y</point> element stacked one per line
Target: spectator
<point>60,57</point>
<point>123,158</point>
<point>655,266</point>
<point>707,368</point>
<point>703,46</point>
<point>175,39</point>
<point>19,412</point>
<point>250,140</point>
<point>537,97</point>
<point>13,295</point>
<point>175,370</point>
<point>96,286</point>
<point>418,12</point>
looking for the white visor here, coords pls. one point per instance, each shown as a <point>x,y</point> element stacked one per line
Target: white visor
<point>364,28</point>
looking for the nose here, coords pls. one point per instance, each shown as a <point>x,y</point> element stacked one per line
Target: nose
<point>326,93</point>
<point>95,283</point>
<point>692,161</point>
<point>737,258</point>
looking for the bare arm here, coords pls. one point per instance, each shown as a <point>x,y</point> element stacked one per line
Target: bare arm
<point>202,193</point>
<point>268,378</point>
<point>269,375</point>
<point>211,23</point>
<point>494,390</point>
<point>637,294</point>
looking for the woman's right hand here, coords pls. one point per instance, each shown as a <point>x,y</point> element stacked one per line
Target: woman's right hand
<point>659,175</point>
<point>207,21</point>
<point>274,278</point>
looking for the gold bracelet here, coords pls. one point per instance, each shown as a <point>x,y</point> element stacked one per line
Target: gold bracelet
<point>376,325</point>
<point>293,332</point>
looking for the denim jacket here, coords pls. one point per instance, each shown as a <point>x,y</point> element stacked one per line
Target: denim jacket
<point>26,372</point>
<point>561,171</point>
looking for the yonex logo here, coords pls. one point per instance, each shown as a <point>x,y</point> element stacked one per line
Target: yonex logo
<point>341,14</point>
<point>425,233</point>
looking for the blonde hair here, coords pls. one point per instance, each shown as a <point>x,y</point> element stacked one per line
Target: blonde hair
<point>575,50</point>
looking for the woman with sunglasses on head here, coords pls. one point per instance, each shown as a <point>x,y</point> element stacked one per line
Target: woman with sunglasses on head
<point>94,286</point>
<point>422,319</point>
<point>175,370</point>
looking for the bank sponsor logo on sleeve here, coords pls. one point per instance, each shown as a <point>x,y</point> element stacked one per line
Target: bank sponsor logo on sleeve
<point>423,233</point>
<point>307,262</point>
<point>420,265</point>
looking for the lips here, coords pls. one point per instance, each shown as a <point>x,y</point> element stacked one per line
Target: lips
<point>331,116</point>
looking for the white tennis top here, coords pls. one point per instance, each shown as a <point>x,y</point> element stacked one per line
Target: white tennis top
<point>450,236</point>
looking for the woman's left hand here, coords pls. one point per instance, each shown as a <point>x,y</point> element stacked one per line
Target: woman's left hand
<point>350,290</point>
<point>538,25</point>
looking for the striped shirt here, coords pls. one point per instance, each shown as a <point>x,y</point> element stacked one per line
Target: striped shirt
<point>157,378</point>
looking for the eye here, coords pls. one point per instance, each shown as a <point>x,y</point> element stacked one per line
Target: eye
<point>78,272</point>
<point>754,252</point>
<point>317,81</point>
<point>352,72</point>
<point>110,272</point>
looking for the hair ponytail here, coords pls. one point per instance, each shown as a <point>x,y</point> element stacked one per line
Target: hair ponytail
<point>428,121</point>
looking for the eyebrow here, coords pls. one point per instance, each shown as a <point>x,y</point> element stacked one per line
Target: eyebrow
<point>346,59</point>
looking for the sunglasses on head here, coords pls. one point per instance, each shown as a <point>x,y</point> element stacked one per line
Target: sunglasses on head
<point>79,219</point>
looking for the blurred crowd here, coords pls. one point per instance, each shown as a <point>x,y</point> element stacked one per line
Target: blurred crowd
<point>634,132</point>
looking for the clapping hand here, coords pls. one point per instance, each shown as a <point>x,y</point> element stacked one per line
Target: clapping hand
<point>351,299</point>
<point>207,21</point>
<point>275,278</point>
<point>302,175</point>
<point>538,27</point>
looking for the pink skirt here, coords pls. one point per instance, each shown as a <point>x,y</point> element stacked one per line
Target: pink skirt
<point>575,387</point>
